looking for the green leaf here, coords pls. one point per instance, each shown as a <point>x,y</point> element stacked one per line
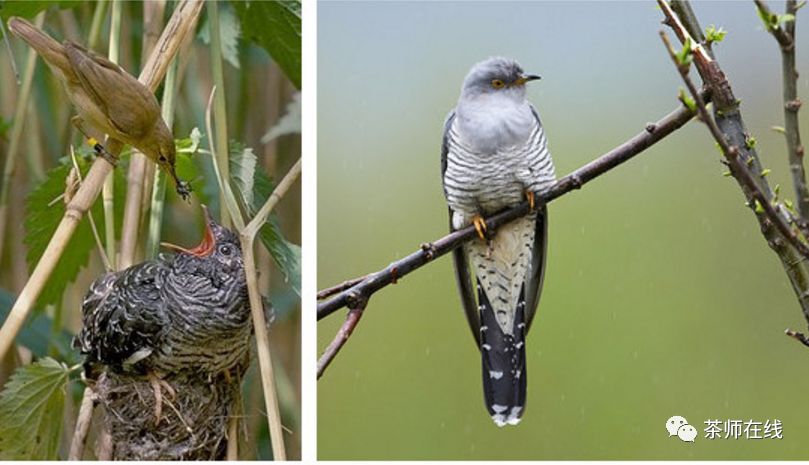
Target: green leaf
<point>30,9</point>
<point>42,219</point>
<point>687,100</point>
<point>5,125</point>
<point>712,34</point>
<point>785,18</point>
<point>685,55</point>
<point>770,20</point>
<point>243,174</point>
<point>759,208</point>
<point>286,254</point>
<point>276,27</point>
<point>230,32</point>
<point>37,334</point>
<point>765,172</point>
<point>290,123</point>
<point>31,411</point>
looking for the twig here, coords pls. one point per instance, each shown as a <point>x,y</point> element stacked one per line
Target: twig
<point>737,167</point>
<point>330,291</point>
<point>104,445</point>
<point>373,282</point>
<point>800,337</point>
<point>233,438</point>
<point>785,36</point>
<point>352,320</point>
<point>136,177</point>
<point>108,190</point>
<point>180,24</point>
<point>82,425</point>
<point>219,104</point>
<point>729,121</point>
<point>247,235</point>
<point>93,227</point>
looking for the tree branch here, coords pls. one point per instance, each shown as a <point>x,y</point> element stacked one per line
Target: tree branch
<point>744,161</point>
<point>355,293</point>
<point>785,36</point>
<point>352,320</point>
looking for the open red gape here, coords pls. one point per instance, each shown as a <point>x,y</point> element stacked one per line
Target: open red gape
<point>205,247</point>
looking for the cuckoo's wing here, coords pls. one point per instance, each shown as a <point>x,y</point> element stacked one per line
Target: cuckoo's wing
<point>536,273</point>
<point>123,316</point>
<point>463,277</point>
<point>128,105</point>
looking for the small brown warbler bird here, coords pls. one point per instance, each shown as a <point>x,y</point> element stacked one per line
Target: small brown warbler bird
<point>107,97</point>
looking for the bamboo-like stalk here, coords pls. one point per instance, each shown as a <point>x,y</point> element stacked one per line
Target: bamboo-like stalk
<point>83,423</point>
<point>95,25</point>
<point>247,234</point>
<point>16,134</point>
<point>158,201</point>
<point>181,23</point>
<point>108,192</point>
<point>220,110</point>
<point>130,229</point>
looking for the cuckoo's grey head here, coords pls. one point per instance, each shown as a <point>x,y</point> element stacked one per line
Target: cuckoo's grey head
<point>496,76</point>
<point>220,249</point>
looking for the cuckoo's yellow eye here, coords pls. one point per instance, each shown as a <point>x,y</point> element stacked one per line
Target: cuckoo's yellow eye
<point>497,83</point>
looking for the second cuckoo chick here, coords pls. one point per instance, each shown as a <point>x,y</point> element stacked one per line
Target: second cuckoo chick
<point>494,155</point>
<point>187,312</point>
<point>107,97</point>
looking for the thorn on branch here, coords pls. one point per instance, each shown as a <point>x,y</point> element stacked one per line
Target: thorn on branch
<point>793,105</point>
<point>429,250</point>
<point>800,337</point>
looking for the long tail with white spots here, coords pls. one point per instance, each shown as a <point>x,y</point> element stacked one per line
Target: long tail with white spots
<point>504,374</point>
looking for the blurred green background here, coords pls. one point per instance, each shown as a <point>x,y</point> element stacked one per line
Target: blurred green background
<point>661,297</point>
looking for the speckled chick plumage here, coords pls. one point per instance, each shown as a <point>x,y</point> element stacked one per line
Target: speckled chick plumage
<point>187,311</point>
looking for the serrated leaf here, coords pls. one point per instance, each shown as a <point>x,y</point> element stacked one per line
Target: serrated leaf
<point>243,174</point>
<point>31,411</point>
<point>42,216</point>
<point>286,254</point>
<point>276,27</point>
<point>290,123</point>
<point>229,31</point>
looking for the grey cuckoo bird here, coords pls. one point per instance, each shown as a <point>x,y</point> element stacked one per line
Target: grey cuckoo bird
<point>495,155</point>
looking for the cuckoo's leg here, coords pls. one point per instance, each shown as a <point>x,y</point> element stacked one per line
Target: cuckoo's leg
<point>530,196</point>
<point>480,225</point>
<point>158,384</point>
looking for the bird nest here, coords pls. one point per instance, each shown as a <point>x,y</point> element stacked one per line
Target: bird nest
<point>193,421</point>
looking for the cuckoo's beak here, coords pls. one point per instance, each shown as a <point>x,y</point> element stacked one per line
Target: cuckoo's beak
<point>525,78</point>
<point>208,240</point>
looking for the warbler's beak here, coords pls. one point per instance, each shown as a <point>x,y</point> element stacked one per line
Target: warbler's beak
<point>183,188</point>
<point>525,78</point>
<point>208,240</point>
